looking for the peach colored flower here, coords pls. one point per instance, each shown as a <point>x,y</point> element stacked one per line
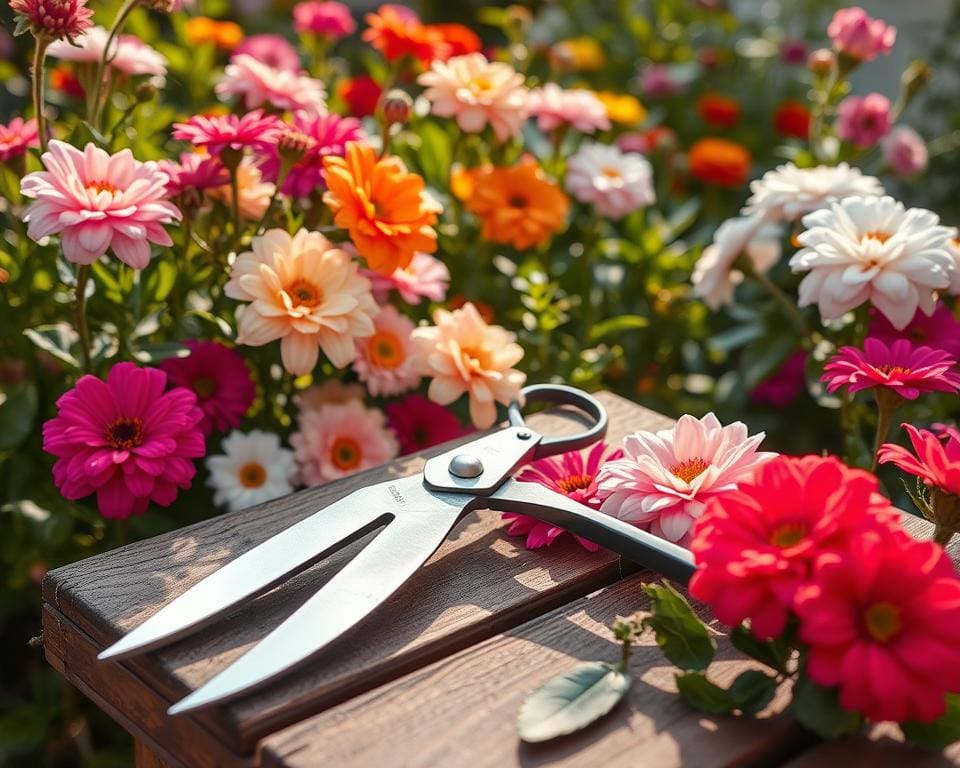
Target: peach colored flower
<point>331,391</point>
<point>461,353</point>
<point>477,92</point>
<point>384,361</point>
<point>255,193</point>
<point>305,292</point>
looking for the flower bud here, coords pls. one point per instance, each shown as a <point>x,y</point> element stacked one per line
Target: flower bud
<point>4,276</point>
<point>821,61</point>
<point>293,145</point>
<point>52,19</point>
<point>915,78</point>
<point>145,91</point>
<point>396,107</point>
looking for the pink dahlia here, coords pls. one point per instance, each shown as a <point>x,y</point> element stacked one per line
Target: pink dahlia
<point>218,132</point>
<point>784,385</point>
<point>52,19</point>
<point>900,367</point>
<point>856,35</point>
<point>220,379</point>
<point>259,84</point>
<point>420,423</point>
<point>936,458</point>
<point>272,50</point>
<point>905,151</point>
<point>195,172</point>
<point>325,135</point>
<point>574,475</point>
<point>17,137</point>
<point>882,619</point>
<point>863,120</point>
<point>755,546</point>
<point>425,277</point>
<point>664,479</point>
<point>124,439</point>
<point>324,19</point>
<point>98,202</point>
<point>554,107</point>
<point>129,54</point>
<point>940,330</point>
<point>384,360</point>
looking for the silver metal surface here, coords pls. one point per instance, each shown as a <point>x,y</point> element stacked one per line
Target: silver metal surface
<point>499,453</point>
<point>466,466</point>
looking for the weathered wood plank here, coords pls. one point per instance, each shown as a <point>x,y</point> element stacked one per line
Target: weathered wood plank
<point>882,748</point>
<point>479,583</point>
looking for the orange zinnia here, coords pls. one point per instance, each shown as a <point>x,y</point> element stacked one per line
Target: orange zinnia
<point>721,162</point>
<point>518,205</point>
<point>223,34</point>
<point>396,31</point>
<point>383,206</point>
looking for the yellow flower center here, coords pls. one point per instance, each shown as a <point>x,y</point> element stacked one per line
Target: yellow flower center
<point>385,350</point>
<point>788,535</point>
<point>689,469</point>
<point>481,84</point>
<point>894,370</point>
<point>252,475</point>
<point>477,359</point>
<point>101,186</point>
<point>204,387</point>
<point>304,293</point>
<point>883,621</point>
<point>610,173</point>
<point>345,453</point>
<point>574,483</point>
<point>125,433</point>
<point>879,236</point>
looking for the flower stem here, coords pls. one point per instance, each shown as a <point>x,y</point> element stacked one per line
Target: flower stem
<point>39,54</point>
<point>887,403</point>
<point>796,317</point>
<point>80,310</point>
<point>235,204</point>
<point>95,106</point>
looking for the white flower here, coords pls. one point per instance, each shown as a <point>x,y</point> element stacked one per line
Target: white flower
<point>954,247</point>
<point>873,249</point>
<point>714,276</point>
<point>617,183</point>
<point>787,192</point>
<point>253,469</point>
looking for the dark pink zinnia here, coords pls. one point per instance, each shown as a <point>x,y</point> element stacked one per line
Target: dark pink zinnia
<point>220,379</point>
<point>324,19</point>
<point>53,19</point>
<point>574,475</point>
<point>420,423</point>
<point>941,330</point>
<point>785,385</point>
<point>125,439</point>
<point>936,458</point>
<point>17,137</point>
<point>327,135</point>
<point>901,367</point>
<point>194,173</point>
<point>272,50</point>
<point>217,132</point>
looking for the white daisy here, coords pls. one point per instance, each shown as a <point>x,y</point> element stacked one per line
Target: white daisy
<point>253,469</point>
<point>954,247</point>
<point>873,249</point>
<point>714,276</point>
<point>616,182</point>
<point>786,193</point>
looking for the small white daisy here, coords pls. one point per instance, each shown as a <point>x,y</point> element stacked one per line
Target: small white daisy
<point>252,469</point>
<point>616,182</point>
<point>873,249</point>
<point>786,193</point>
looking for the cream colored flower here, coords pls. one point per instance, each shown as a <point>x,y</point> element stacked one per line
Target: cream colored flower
<point>461,353</point>
<point>786,193</point>
<point>715,276</point>
<point>255,194</point>
<point>304,291</point>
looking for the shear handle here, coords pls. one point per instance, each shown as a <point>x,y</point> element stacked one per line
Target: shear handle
<point>561,394</point>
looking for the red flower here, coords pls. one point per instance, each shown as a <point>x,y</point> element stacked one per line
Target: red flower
<point>882,620</point>
<point>67,83</point>
<point>420,423</point>
<point>456,39</point>
<point>792,119</point>
<point>361,94</point>
<point>755,546</point>
<point>397,32</point>
<point>721,162</point>
<point>718,110</point>
<point>936,462</point>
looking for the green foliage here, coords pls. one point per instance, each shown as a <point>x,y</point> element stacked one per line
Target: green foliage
<point>941,732</point>
<point>818,709</point>
<point>683,638</point>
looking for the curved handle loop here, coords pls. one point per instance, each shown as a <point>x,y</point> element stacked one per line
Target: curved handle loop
<point>560,394</point>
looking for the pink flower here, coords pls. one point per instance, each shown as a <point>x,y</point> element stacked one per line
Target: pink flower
<point>905,151</point>
<point>424,277</point>
<point>664,480</point>
<point>255,193</point>
<point>194,173</point>
<point>420,423</point>
<point>259,84</point>
<point>882,619</point>
<point>330,391</point>
<point>339,439</point>
<point>554,106</point>
<point>220,379</point>
<point>53,19</point>
<point>17,137</point>
<point>940,330</point>
<point>785,385</point>
<point>657,81</point>
<point>384,361</point>
<point>856,35</point>
<point>900,367</point>
<point>574,475</point>
<point>863,120</point>
<point>98,202</point>
<point>218,132</point>
<point>326,135</point>
<point>272,50</point>
<point>124,439</point>
<point>793,51</point>
<point>936,463</point>
<point>324,19</point>
<point>130,55</point>
<point>755,546</point>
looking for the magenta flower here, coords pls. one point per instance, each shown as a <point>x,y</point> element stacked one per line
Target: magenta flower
<point>98,202</point>
<point>905,151</point>
<point>940,330</point>
<point>901,367</point>
<point>572,474</point>
<point>17,137</point>
<point>272,50</point>
<point>218,132</point>
<point>194,173</point>
<point>220,379</point>
<point>784,385</point>
<point>420,423</point>
<point>327,135</point>
<point>858,36</point>
<point>935,458</point>
<point>323,19</point>
<point>124,439</point>
<point>53,19</point>
<point>863,120</point>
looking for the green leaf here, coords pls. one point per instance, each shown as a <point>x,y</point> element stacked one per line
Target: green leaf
<point>616,325</point>
<point>18,408</point>
<point>773,653</point>
<point>160,280</point>
<point>941,732</point>
<point>818,709</point>
<point>701,694</point>
<point>160,350</point>
<point>753,690</point>
<point>55,339</point>
<point>572,701</point>
<point>682,637</point>
<point>435,153</point>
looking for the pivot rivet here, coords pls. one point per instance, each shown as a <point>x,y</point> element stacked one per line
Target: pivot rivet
<point>524,434</point>
<point>465,465</point>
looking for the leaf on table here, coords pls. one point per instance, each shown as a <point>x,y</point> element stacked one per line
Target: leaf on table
<point>773,653</point>
<point>941,732</point>
<point>701,694</point>
<point>818,709</point>
<point>572,701</point>
<point>752,691</point>
<point>682,637</point>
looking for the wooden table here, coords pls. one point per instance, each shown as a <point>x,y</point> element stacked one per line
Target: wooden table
<point>434,678</point>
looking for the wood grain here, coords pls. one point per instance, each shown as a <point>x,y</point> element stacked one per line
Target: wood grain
<point>478,584</point>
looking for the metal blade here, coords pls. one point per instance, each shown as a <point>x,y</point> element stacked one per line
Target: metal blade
<point>261,568</point>
<point>366,581</point>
